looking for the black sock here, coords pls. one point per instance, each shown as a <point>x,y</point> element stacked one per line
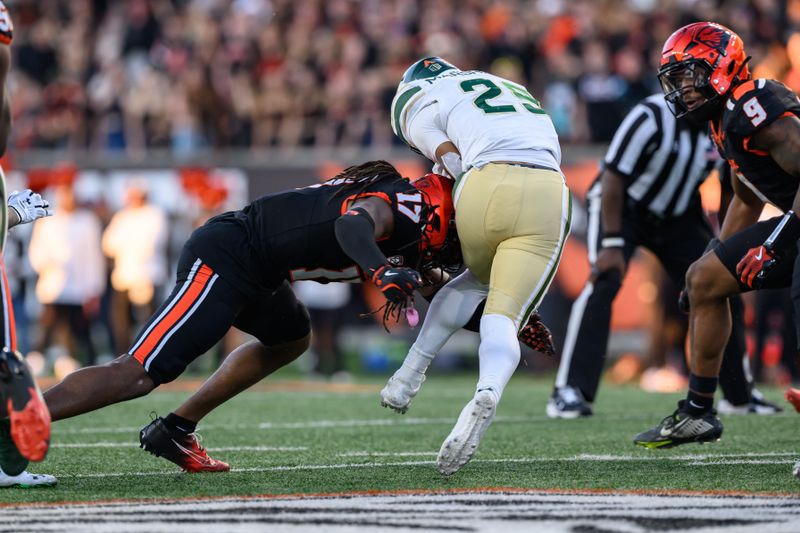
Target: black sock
<point>697,404</point>
<point>178,423</point>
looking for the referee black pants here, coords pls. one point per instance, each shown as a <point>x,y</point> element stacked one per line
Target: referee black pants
<point>677,243</point>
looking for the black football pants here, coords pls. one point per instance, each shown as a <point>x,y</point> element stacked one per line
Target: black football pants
<point>677,243</point>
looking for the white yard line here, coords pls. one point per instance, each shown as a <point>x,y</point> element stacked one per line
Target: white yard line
<point>386,454</point>
<point>332,423</point>
<point>221,449</point>
<point>523,460</point>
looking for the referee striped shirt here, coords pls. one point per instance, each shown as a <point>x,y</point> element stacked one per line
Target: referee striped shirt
<point>663,159</point>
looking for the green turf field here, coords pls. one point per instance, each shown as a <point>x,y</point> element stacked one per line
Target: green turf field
<point>324,442</point>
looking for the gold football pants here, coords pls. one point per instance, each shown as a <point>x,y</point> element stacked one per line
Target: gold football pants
<point>513,222</point>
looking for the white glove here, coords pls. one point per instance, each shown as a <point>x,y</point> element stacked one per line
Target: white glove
<point>29,205</point>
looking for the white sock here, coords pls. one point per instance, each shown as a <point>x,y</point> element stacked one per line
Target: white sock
<point>498,353</point>
<point>450,310</point>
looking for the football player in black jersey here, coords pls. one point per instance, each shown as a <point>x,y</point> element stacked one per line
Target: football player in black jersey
<point>755,125</point>
<point>367,223</point>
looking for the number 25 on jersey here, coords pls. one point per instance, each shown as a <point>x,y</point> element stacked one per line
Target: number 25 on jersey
<point>493,91</point>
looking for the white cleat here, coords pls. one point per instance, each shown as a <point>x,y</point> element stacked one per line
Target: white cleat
<point>796,470</point>
<point>27,480</point>
<point>459,447</point>
<point>401,388</point>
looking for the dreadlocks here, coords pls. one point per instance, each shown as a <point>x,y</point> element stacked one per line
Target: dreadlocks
<point>359,177</point>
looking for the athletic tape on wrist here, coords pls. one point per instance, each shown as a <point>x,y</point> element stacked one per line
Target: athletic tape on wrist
<point>612,242</point>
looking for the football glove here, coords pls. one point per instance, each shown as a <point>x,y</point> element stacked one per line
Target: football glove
<point>536,336</point>
<point>397,283</point>
<point>29,206</point>
<point>755,266</point>
<point>6,27</point>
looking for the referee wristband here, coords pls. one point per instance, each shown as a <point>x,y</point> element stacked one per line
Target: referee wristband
<point>612,241</point>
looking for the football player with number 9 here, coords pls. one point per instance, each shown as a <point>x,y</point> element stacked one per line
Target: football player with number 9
<point>755,125</point>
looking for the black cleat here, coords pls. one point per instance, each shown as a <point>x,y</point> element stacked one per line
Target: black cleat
<point>681,428</point>
<point>182,449</point>
<point>567,402</point>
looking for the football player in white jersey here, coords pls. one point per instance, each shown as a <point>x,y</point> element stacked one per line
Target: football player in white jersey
<point>513,215</point>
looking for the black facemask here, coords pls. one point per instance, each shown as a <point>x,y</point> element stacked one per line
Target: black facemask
<point>677,79</point>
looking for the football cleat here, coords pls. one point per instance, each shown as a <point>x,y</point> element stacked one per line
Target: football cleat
<point>758,405</point>
<point>401,388</point>
<point>793,397</point>
<point>796,470</point>
<point>681,428</point>
<point>567,402</point>
<point>26,480</point>
<point>461,444</point>
<point>182,449</point>
<point>22,402</point>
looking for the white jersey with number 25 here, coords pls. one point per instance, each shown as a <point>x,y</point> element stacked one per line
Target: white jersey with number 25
<point>488,118</point>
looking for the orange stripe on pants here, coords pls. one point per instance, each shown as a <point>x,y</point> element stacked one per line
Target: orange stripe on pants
<point>186,301</point>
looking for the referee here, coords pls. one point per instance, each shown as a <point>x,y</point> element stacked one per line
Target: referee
<point>647,195</point>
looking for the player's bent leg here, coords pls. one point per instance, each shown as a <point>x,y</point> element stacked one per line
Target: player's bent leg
<point>246,365</point>
<point>499,355</point>
<point>522,270</point>
<point>450,310</point>
<point>709,283</point>
<point>94,387</point>
<point>282,326</point>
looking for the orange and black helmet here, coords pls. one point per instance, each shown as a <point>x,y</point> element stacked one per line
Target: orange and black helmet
<point>706,57</point>
<point>439,246</point>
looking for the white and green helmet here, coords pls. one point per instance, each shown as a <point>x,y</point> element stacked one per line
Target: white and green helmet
<point>426,68</point>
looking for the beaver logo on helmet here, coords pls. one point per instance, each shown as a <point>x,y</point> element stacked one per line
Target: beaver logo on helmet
<point>713,37</point>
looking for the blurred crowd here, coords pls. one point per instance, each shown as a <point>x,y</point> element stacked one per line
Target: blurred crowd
<point>187,75</point>
<point>198,75</point>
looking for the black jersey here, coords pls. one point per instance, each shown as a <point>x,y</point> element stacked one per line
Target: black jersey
<point>290,235</point>
<point>754,105</point>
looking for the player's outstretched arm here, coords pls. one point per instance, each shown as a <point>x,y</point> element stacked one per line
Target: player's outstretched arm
<point>357,230</point>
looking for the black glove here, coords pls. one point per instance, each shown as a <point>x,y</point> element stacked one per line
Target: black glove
<point>397,283</point>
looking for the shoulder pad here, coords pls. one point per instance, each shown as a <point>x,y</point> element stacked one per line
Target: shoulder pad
<point>755,104</point>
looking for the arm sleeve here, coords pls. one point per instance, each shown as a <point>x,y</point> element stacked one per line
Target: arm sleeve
<point>355,232</point>
<point>425,132</point>
<point>634,140</point>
